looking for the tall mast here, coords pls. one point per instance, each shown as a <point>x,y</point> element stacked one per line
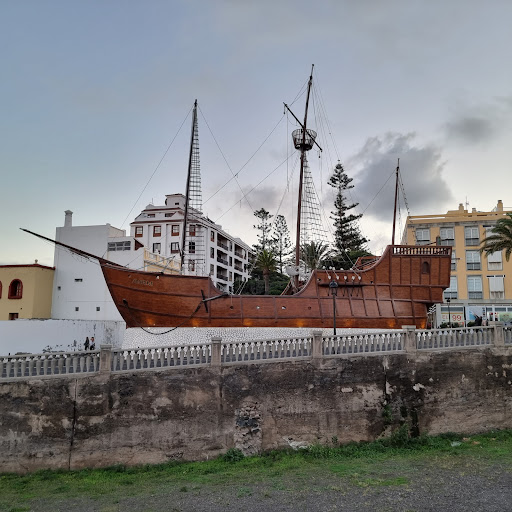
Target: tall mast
<point>396,200</point>
<point>303,148</point>
<point>194,149</point>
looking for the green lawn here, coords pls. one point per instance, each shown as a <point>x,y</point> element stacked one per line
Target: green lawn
<point>394,461</point>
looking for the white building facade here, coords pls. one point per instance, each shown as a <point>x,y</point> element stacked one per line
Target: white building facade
<point>79,289</point>
<point>208,250</point>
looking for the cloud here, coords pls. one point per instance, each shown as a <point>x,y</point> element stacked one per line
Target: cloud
<point>421,169</point>
<point>479,124</point>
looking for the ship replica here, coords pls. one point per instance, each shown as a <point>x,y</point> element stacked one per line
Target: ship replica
<point>388,292</point>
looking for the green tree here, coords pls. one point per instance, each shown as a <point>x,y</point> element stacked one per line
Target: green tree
<point>266,262</point>
<point>347,236</point>
<point>500,238</point>
<point>280,242</point>
<point>313,253</point>
<point>264,227</point>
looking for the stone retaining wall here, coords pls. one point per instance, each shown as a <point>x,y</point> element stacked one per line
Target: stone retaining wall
<point>192,413</point>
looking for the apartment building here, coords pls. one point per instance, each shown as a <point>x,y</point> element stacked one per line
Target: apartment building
<point>207,249</point>
<point>480,285</point>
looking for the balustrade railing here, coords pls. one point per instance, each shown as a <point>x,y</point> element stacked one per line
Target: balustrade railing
<point>452,338</point>
<point>163,357</point>
<point>246,351</point>
<point>217,352</point>
<point>362,343</point>
<point>49,364</point>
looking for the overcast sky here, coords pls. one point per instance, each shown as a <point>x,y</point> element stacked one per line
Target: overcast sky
<point>93,93</point>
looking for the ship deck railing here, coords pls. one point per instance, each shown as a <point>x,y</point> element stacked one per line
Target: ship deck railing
<point>315,348</point>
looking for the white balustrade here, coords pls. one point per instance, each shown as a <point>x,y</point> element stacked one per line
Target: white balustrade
<point>49,364</point>
<point>507,334</point>
<point>23,366</point>
<point>363,343</point>
<point>455,338</point>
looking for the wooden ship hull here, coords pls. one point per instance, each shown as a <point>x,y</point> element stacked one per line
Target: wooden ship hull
<point>394,291</point>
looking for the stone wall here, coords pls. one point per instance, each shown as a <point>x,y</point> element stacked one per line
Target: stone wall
<point>196,413</point>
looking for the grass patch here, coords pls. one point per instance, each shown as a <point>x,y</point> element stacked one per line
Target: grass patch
<point>394,461</point>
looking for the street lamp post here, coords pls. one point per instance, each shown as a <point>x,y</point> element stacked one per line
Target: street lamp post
<point>449,315</point>
<point>333,286</point>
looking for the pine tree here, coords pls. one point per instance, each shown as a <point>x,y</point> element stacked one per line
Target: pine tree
<point>347,237</point>
<point>265,228</point>
<point>280,242</point>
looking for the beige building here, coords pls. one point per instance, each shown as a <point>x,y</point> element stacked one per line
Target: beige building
<point>25,291</point>
<point>480,285</point>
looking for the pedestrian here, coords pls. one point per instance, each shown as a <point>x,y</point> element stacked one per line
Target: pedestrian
<point>86,344</point>
<point>93,346</point>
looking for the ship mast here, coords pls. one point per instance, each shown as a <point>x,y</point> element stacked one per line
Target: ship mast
<point>193,188</point>
<point>396,200</point>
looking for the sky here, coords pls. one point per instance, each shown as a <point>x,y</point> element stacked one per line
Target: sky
<point>96,98</point>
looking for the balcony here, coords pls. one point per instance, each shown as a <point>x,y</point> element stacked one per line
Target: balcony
<point>224,246</point>
<point>239,268</point>
<point>239,254</point>
<point>222,260</point>
<point>221,276</point>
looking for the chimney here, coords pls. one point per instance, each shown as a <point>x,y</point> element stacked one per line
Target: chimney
<point>68,219</point>
<point>499,208</point>
<point>461,208</point>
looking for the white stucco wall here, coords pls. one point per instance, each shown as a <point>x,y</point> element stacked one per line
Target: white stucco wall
<point>78,281</point>
<point>32,336</point>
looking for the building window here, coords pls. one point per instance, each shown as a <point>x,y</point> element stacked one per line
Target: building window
<point>496,287</point>
<point>475,287</point>
<point>471,235</point>
<point>79,280</point>
<point>119,246</point>
<point>425,268</point>
<point>230,261</point>
<point>191,247</point>
<point>0,289</point>
<point>169,214</point>
<point>175,247</point>
<point>212,252</point>
<point>151,215</point>
<point>192,230</point>
<point>77,308</point>
<point>212,236</point>
<point>447,236</point>
<point>454,261</point>
<point>191,265</point>
<point>212,269</point>
<point>494,261</point>
<point>451,292</point>
<point>138,231</point>
<point>157,230</point>
<point>58,287</point>
<point>15,289</point>
<point>473,260</point>
<point>423,236</point>
<point>13,316</point>
<point>98,308</point>
<point>231,276</point>
<point>156,248</point>
<point>175,230</point>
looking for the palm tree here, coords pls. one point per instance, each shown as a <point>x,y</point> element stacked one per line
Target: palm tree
<point>500,237</point>
<point>313,253</point>
<point>266,262</point>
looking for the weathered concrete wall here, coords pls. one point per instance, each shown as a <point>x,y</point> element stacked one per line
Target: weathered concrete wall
<point>196,413</point>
